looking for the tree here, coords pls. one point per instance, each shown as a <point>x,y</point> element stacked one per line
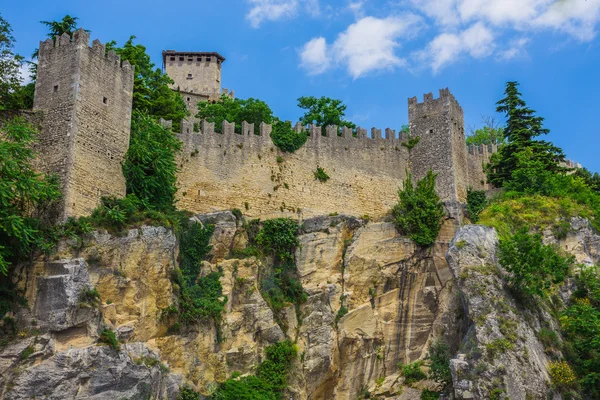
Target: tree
<point>251,110</point>
<point>419,211</point>
<point>323,111</point>
<point>592,179</point>
<point>491,133</point>
<point>24,194</point>
<point>9,64</point>
<point>151,92</point>
<point>522,127</point>
<point>150,167</point>
<point>533,266</point>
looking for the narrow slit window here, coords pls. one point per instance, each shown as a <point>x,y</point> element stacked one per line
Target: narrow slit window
<point>431,131</point>
<point>55,88</point>
<point>105,100</point>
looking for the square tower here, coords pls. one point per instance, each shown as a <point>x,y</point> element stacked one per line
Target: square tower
<point>196,75</point>
<point>86,97</point>
<point>439,123</point>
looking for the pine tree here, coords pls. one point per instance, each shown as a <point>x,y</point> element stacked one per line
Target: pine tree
<point>522,126</point>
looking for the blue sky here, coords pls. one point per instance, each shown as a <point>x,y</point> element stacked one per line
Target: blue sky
<point>371,54</point>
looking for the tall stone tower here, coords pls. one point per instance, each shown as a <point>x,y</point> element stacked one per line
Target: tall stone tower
<point>439,123</point>
<point>86,99</point>
<point>197,75</point>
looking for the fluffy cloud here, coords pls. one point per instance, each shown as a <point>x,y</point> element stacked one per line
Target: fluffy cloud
<point>367,45</point>
<point>314,56</point>
<point>577,18</point>
<point>476,41</point>
<point>274,10</point>
<point>270,10</point>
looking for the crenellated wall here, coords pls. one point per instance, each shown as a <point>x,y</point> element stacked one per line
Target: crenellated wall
<point>230,170</point>
<point>86,97</point>
<point>238,170</point>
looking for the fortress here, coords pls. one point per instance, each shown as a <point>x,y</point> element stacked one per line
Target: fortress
<point>85,96</point>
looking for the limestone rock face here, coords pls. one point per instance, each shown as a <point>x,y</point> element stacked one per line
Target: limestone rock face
<point>58,295</point>
<point>96,372</point>
<point>374,299</point>
<point>501,351</point>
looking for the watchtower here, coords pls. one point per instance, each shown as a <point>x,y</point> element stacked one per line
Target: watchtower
<point>439,123</point>
<point>196,75</point>
<point>86,98</point>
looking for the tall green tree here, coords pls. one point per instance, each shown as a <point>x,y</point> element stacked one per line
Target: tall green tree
<point>522,127</point>
<point>152,94</point>
<point>150,167</point>
<point>9,64</point>
<point>323,111</point>
<point>23,193</point>
<point>490,133</point>
<point>250,110</point>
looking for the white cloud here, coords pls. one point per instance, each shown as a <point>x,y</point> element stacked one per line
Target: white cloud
<point>498,12</point>
<point>444,12</point>
<point>367,45</point>
<point>270,10</point>
<point>314,56</point>
<point>446,48</point>
<point>24,74</point>
<point>516,49</point>
<point>577,18</point>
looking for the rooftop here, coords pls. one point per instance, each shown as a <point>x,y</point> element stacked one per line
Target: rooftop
<point>166,53</point>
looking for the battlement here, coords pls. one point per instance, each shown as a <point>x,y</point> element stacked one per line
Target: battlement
<point>482,149</point>
<point>78,42</point>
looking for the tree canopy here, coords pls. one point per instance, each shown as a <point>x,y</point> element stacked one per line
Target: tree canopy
<point>323,111</point>
<point>150,167</point>
<point>251,110</point>
<point>522,126</point>
<point>490,133</point>
<point>151,92</point>
<point>23,193</point>
<point>9,64</point>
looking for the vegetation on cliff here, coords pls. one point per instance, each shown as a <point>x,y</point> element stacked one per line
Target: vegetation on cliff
<point>269,381</point>
<point>286,138</point>
<point>323,111</point>
<point>253,111</point>
<point>419,211</point>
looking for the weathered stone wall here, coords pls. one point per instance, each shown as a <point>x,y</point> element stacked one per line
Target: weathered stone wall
<point>205,76</point>
<point>229,170</point>
<point>86,98</point>
<point>477,157</point>
<point>439,124</point>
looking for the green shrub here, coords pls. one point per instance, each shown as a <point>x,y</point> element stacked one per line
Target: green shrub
<point>549,339</point>
<point>341,312</point>
<point>498,346</point>
<point>187,393</point>
<point>286,138</point>
<point>419,211</point>
<point>278,238</point>
<point>411,142</point>
<point>27,352</point>
<point>90,297</point>
<point>427,394</point>
<point>439,364</point>
<point>321,175</point>
<point>270,379</point>
<point>533,267</point>
<point>108,337</point>
<point>412,372</point>
<point>563,376</point>
<point>476,202</point>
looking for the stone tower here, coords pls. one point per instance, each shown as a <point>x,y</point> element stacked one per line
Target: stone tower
<point>439,123</point>
<point>197,75</point>
<point>86,97</point>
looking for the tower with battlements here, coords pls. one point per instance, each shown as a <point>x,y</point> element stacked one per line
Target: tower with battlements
<point>196,75</point>
<point>86,97</point>
<point>439,124</point>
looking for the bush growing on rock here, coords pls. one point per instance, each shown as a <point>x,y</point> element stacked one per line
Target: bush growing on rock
<point>419,211</point>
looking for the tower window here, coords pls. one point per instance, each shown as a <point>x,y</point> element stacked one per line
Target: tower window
<point>431,131</point>
<point>55,88</point>
<point>198,59</point>
<point>181,58</point>
<point>189,76</point>
<point>188,99</point>
<point>172,58</point>
<point>105,100</point>
<point>207,59</point>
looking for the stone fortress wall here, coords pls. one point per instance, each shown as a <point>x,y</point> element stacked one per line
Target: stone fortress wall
<point>85,96</point>
<point>247,171</point>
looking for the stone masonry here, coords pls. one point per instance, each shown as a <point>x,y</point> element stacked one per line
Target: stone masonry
<point>86,97</point>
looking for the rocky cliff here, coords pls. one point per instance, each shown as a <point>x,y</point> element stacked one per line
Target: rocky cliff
<point>399,299</point>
